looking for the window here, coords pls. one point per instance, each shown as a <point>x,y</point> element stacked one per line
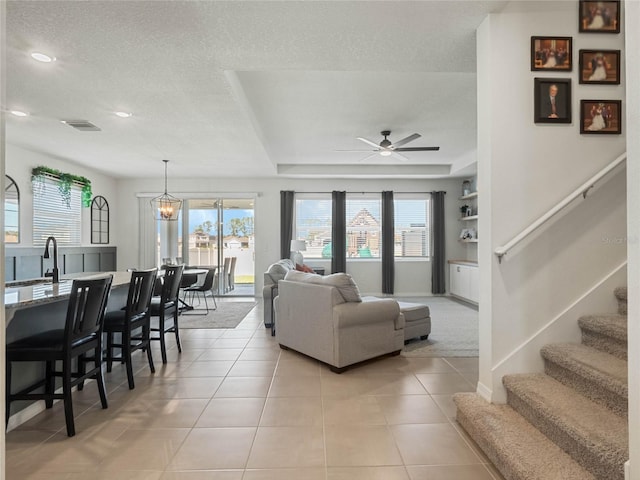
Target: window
<point>11,211</point>
<point>363,225</point>
<point>52,216</point>
<point>411,215</point>
<point>99,220</point>
<point>313,223</point>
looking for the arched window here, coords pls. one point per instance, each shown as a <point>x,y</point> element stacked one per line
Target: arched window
<point>99,220</point>
<point>11,211</point>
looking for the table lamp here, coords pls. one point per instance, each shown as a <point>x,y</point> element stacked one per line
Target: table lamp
<point>298,246</point>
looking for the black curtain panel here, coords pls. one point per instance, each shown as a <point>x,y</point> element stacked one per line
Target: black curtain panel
<point>338,232</point>
<point>438,263</point>
<point>286,222</point>
<point>388,261</point>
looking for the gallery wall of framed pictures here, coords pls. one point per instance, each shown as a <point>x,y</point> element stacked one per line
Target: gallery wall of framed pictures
<point>596,66</point>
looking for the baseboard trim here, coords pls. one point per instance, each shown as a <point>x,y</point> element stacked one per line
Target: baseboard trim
<point>31,411</point>
<point>484,391</point>
<point>627,469</point>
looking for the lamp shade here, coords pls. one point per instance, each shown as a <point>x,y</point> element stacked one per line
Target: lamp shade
<point>298,246</point>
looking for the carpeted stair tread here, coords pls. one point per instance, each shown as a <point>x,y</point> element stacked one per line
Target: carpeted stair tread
<point>516,448</point>
<point>614,326</point>
<point>621,295</point>
<point>605,332</point>
<point>592,434</point>
<point>597,375</point>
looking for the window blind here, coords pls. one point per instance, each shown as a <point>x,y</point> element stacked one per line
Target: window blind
<point>52,216</point>
<point>411,225</point>
<point>363,225</point>
<point>313,223</point>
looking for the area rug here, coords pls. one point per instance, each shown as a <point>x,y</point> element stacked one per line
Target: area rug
<point>454,330</point>
<point>227,315</point>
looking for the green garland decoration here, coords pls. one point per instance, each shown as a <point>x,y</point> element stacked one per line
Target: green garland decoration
<point>65,181</point>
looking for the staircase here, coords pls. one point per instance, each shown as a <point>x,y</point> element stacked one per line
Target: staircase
<point>569,423</point>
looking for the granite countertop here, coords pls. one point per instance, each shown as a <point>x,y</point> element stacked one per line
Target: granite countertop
<point>42,291</point>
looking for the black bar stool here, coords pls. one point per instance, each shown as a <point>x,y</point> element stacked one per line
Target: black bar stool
<point>135,316</point>
<point>166,306</point>
<point>82,333</point>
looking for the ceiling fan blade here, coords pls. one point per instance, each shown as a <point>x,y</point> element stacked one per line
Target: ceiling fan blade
<point>355,151</point>
<point>417,149</point>
<point>369,142</point>
<point>368,157</point>
<point>399,156</point>
<point>408,139</point>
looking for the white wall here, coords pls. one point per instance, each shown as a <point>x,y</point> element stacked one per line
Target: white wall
<point>524,169</point>
<point>632,28</point>
<point>412,278</point>
<point>18,165</point>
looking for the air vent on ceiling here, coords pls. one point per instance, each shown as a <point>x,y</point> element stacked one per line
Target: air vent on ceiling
<point>82,125</point>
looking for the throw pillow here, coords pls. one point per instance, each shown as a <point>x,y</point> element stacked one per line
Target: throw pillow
<point>345,285</point>
<point>342,281</point>
<point>304,268</point>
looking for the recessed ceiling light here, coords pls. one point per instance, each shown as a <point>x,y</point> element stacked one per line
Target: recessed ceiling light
<point>42,57</point>
<point>19,113</point>
<point>123,114</point>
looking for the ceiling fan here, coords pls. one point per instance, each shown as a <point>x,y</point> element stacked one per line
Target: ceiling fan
<point>386,148</point>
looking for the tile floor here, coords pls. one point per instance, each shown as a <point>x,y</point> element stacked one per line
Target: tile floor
<point>233,406</point>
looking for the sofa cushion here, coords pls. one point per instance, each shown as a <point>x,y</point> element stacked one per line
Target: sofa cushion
<point>343,282</point>
<point>278,270</point>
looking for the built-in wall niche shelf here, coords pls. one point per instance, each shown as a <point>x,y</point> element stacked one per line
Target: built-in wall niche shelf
<point>468,218</point>
<point>469,196</point>
<point>469,240</point>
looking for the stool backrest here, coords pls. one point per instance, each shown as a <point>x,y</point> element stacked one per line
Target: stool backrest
<point>85,313</point>
<point>140,292</point>
<point>171,285</point>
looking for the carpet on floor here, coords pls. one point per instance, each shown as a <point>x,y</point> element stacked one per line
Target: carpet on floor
<point>227,315</point>
<point>454,329</point>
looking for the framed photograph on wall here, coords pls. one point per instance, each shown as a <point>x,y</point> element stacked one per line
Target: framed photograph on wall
<point>552,100</point>
<point>599,17</point>
<point>601,117</point>
<point>600,67</point>
<point>551,54</point>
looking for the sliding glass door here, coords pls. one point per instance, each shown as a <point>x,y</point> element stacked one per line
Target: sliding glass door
<point>220,232</point>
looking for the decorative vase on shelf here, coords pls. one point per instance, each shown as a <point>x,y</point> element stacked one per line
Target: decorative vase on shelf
<point>466,188</point>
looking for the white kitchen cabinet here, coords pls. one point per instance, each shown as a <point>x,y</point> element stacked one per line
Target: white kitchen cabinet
<point>463,281</point>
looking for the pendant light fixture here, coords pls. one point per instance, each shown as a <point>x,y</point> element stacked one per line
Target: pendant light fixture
<point>166,207</point>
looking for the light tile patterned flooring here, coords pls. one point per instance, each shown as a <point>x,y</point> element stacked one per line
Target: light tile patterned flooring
<point>233,406</point>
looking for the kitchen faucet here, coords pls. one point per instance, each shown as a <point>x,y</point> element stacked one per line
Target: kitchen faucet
<point>54,273</point>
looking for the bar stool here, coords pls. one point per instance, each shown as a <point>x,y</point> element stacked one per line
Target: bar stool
<point>134,316</point>
<point>82,333</point>
<point>166,306</point>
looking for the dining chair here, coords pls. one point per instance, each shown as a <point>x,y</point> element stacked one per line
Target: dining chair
<point>231,281</point>
<point>165,307</point>
<point>224,274</point>
<point>82,334</point>
<point>206,286</point>
<point>133,318</point>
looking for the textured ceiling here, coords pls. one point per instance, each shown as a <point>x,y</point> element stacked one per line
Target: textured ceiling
<point>244,88</point>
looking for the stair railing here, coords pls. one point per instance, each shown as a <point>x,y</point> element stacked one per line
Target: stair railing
<point>581,190</point>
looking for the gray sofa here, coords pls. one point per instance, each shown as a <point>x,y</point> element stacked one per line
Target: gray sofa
<point>325,318</point>
<point>274,273</point>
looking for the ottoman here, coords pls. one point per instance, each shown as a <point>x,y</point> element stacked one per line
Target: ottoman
<point>417,320</point>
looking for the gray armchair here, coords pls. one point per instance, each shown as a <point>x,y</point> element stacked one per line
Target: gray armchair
<point>274,273</point>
